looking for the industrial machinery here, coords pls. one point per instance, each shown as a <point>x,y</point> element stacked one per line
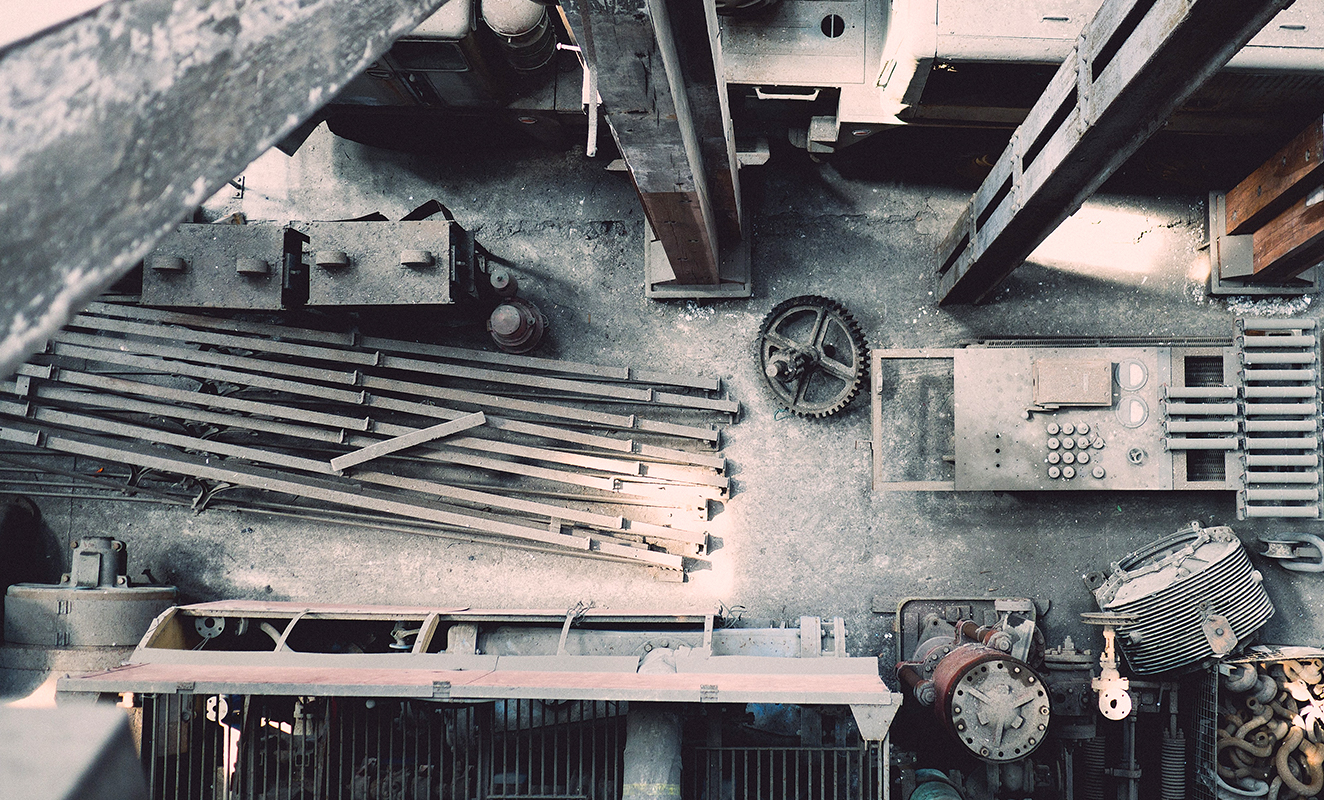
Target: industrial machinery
<point>835,74</point>
<point>93,605</point>
<point>360,266</point>
<point>976,680</point>
<point>1072,415</point>
<point>813,355</point>
<point>260,699</point>
<point>1185,599</point>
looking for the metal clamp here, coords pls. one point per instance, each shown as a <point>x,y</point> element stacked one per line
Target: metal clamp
<point>1299,552</point>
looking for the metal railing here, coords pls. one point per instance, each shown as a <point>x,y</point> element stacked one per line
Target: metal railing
<point>200,747</point>
<point>785,773</point>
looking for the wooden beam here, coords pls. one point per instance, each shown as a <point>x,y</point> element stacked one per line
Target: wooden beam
<point>1291,242</point>
<point>663,113</point>
<point>1284,179</point>
<point>116,124</point>
<point>1135,62</point>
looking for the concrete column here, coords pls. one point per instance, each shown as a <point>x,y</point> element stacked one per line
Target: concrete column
<point>652,741</point>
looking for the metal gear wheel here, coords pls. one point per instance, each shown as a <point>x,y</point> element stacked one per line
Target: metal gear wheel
<point>813,355</point>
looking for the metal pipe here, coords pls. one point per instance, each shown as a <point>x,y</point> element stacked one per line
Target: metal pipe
<point>1300,512</point>
<point>1281,425</point>
<point>1278,375</point>
<point>1201,426</point>
<point>1282,461</point>
<point>1276,324</point>
<point>1180,443</point>
<point>1253,477</point>
<point>1280,409</point>
<point>1257,342</point>
<point>1200,392</point>
<point>1301,443</point>
<point>1202,409</point>
<point>1260,357</point>
<point>1282,494</point>
<point>1279,391</point>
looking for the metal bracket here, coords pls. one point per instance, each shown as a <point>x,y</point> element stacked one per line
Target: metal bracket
<point>1299,552</point>
<point>1222,639</point>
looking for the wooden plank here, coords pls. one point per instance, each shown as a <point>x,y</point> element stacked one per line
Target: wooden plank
<point>1291,242</point>
<point>1285,178</point>
<point>1148,65</point>
<point>404,441</point>
<point>652,125</point>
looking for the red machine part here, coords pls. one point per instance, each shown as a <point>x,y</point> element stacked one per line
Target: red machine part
<point>993,704</point>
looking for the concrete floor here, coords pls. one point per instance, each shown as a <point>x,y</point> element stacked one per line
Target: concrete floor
<point>802,533</point>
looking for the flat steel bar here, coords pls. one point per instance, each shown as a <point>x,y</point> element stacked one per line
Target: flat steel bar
<point>502,359</point>
<point>256,478</point>
<point>137,313</point>
<point>123,386</point>
<point>199,371</point>
<point>1122,80</point>
<point>549,512</point>
<point>140,110</point>
<point>371,359</point>
<point>64,419</point>
<point>407,440</point>
<point>117,403</point>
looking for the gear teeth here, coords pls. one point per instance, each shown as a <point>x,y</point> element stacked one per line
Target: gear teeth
<point>859,366</point>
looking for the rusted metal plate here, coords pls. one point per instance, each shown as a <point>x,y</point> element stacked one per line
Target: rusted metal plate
<point>115,125</point>
<point>199,266</point>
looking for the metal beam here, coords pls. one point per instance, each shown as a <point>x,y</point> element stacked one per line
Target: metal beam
<point>657,75</point>
<point>1135,62</point>
<point>116,124</point>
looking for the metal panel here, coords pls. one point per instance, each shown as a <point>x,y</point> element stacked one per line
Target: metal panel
<point>199,266</point>
<point>373,273</point>
<point>997,448</point>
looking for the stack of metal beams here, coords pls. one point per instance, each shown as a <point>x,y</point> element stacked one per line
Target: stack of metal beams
<point>607,462</point>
